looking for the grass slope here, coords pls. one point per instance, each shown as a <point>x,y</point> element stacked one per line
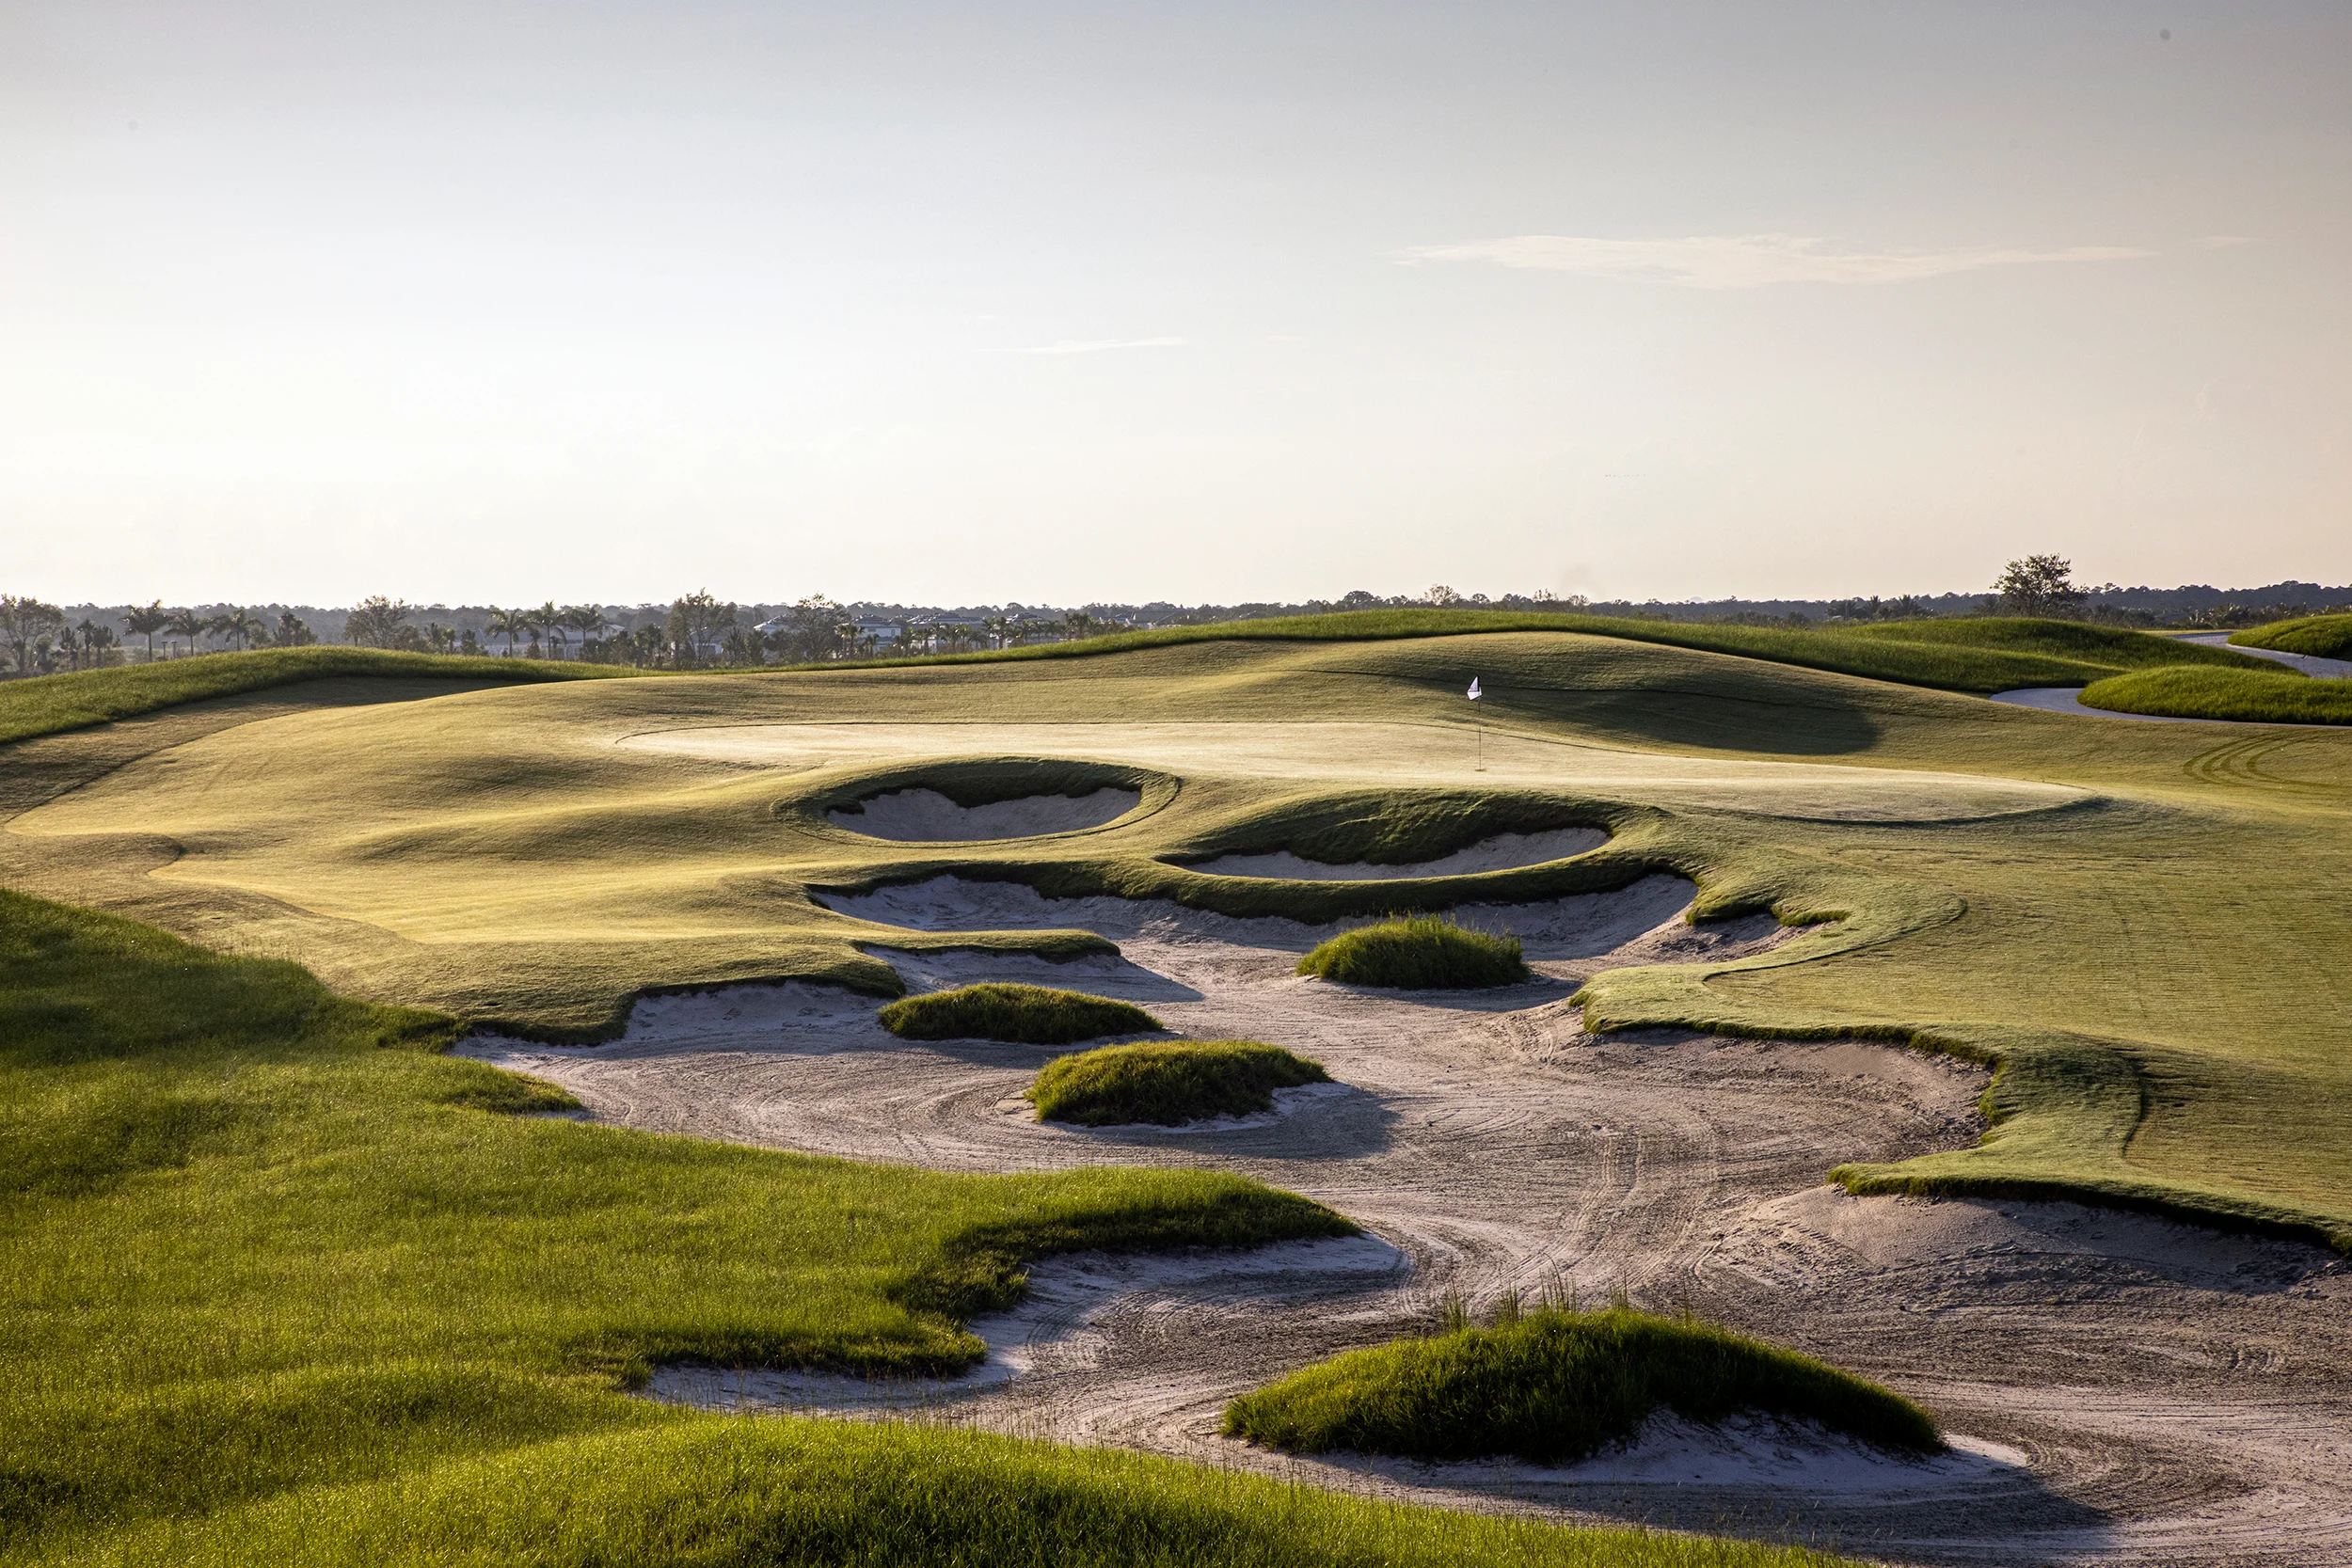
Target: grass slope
<point>1167,1082</point>
<point>1556,1386</point>
<point>1990,654</point>
<point>263,1240</point>
<point>46,704</point>
<point>1418,953</point>
<point>2254,696</point>
<point>800,1494</point>
<point>1028,1015</point>
<point>2319,636</point>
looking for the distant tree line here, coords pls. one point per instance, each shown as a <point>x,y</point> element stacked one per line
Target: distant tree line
<point>701,631</point>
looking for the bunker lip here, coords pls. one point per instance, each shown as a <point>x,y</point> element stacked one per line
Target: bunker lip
<point>914,814</point>
<point>1573,927</point>
<point>1497,852</point>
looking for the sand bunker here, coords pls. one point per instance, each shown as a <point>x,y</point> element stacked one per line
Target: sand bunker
<point>1503,852</point>
<point>927,816</point>
<point>2135,1390</point>
<point>1581,926</point>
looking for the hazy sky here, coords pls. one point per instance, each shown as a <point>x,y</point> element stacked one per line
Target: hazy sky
<point>1062,303</point>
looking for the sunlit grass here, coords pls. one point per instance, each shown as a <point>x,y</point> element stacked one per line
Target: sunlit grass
<point>2319,636</point>
<point>2255,696</point>
<point>1418,953</point>
<point>1167,1082</point>
<point>1030,1015</point>
<point>1555,1386</point>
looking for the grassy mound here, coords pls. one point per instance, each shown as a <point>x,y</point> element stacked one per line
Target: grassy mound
<point>48,703</point>
<point>2105,648</point>
<point>1976,654</point>
<point>1418,953</point>
<point>2266,696</point>
<point>264,1242</point>
<point>1555,1387</point>
<point>795,1492</point>
<point>1169,1082</point>
<point>1030,1015</point>
<point>2319,636</point>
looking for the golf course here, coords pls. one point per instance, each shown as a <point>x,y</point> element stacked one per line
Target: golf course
<point>480,1115</point>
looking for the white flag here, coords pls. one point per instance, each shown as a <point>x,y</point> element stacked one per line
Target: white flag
<point>1473,691</point>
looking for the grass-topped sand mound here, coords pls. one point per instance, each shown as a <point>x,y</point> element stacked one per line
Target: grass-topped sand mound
<point>1555,1387</point>
<point>1027,1014</point>
<point>2254,696</point>
<point>1418,953</point>
<point>1168,1082</point>
<point>2315,635</point>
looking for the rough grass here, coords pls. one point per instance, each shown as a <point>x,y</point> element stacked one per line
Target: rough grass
<point>2318,636</point>
<point>1167,1082</point>
<point>46,704</point>
<point>1418,953</point>
<point>1555,1387</point>
<point>2273,696</point>
<point>263,1241</point>
<point>1030,1015</point>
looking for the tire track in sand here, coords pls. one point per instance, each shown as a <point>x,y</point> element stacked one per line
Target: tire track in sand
<point>2136,1390</point>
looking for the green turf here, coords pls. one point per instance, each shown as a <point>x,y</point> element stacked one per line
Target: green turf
<point>1167,1082</point>
<point>1030,1015</point>
<point>1988,654</point>
<point>264,1240</point>
<point>2273,696</point>
<point>2320,636</point>
<point>1555,1387</point>
<point>2098,910</point>
<point>800,1494</point>
<point>46,704</point>
<point>1418,953</point>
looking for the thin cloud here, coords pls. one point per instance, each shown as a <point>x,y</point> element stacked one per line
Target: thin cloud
<point>1745,261</point>
<point>1102,345</point>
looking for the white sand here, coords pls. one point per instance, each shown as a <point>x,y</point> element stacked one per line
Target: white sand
<point>1503,852</point>
<point>927,816</point>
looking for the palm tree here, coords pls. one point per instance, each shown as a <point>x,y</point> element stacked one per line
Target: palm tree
<point>87,641</point>
<point>238,623</point>
<point>546,618</point>
<point>509,623</point>
<point>585,619</point>
<point>439,637</point>
<point>187,624</point>
<point>147,622</point>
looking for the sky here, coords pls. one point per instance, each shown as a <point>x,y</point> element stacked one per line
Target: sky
<point>922,302</point>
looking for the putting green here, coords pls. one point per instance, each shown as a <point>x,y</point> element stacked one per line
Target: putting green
<point>2136,921</point>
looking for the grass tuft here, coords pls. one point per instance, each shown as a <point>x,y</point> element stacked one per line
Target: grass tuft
<point>2316,635</point>
<point>2252,696</point>
<point>1554,1387</point>
<point>1027,1014</point>
<point>1168,1082</point>
<point>1418,953</point>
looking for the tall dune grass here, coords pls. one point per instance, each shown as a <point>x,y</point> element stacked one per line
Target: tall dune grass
<point>1168,1082</point>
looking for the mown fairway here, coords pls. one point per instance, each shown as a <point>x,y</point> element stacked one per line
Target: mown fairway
<point>2134,918</point>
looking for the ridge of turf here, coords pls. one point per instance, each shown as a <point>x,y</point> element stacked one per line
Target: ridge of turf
<point>48,704</point>
<point>1556,1385</point>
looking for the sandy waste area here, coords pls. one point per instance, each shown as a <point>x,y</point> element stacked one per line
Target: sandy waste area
<point>2118,1387</point>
